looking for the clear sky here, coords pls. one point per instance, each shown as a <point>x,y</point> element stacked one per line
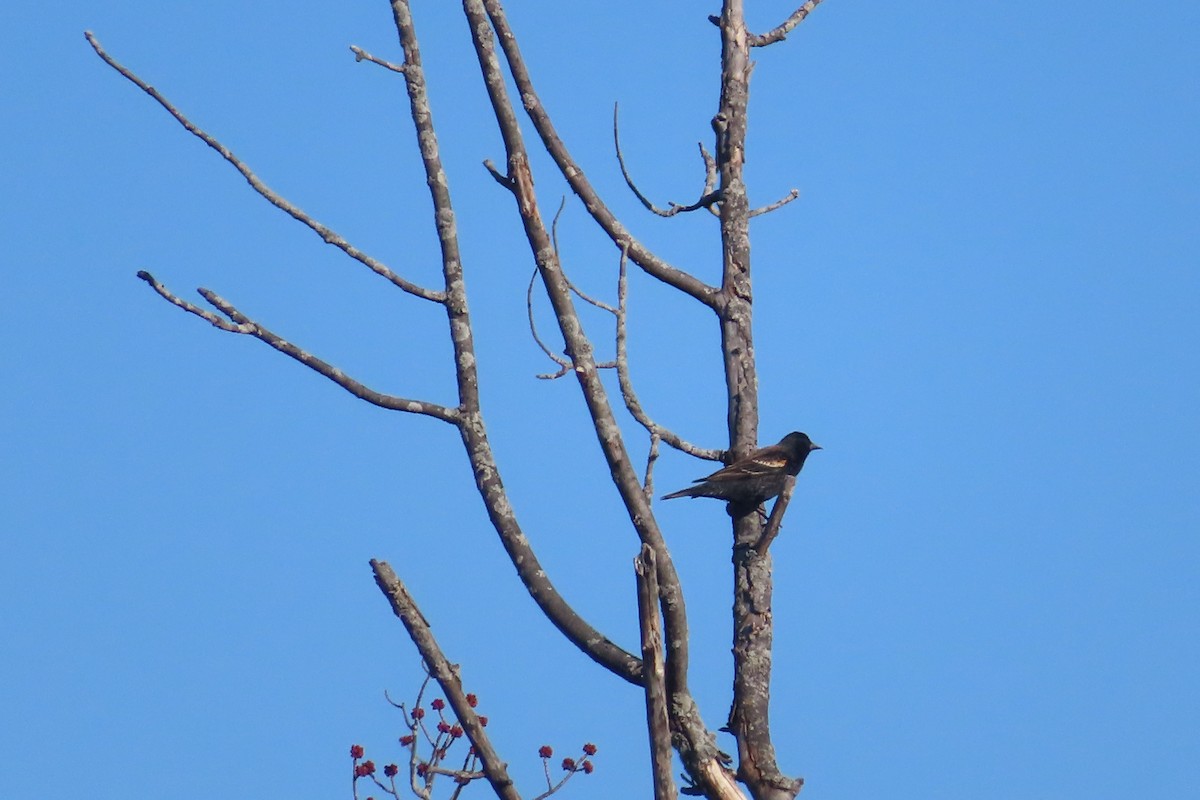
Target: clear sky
<point>983,305</point>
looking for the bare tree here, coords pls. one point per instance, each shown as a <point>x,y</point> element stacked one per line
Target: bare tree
<point>661,668</point>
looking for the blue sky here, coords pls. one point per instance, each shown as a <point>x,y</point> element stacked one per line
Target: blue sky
<point>983,305</point>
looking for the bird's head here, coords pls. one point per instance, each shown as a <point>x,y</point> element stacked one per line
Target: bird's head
<point>799,444</point>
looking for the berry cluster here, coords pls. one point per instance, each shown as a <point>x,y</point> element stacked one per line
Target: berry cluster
<point>431,736</point>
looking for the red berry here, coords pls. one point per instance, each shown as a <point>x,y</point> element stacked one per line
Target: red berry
<point>483,722</point>
<point>422,769</point>
<point>456,731</point>
<point>407,739</point>
<point>472,700</point>
<point>418,713</point>
<point>545,751</point>
<point>356,751</point>
<point>438,704</point>
<point>587,767</point>
<point>390,770</point>
<point>444,726</point>
<point>590,749</point>
<point>568,764</point>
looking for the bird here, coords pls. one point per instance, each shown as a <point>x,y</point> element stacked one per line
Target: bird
<point>751,481</point>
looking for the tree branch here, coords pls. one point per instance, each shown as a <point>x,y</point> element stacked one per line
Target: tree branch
<point>783,29</point>
<point>579,348</point>
<point>780,203</point>
<point>363,55</point>
<point>471,425</point>
<point>775,521</point>
<point>710,175</point>
<point>244,325</point>
<point>696,744</point>
<point>651,457</point>
<point>444,673</point>
<point>327,234</point>
<point>657,721</point>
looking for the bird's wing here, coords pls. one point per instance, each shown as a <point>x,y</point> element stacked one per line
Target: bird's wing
<point>767,461</point>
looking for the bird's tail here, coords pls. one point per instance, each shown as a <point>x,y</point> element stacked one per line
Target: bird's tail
<point>691,491</point>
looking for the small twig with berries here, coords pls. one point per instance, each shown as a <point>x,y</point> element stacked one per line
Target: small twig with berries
<point>424,769</point>
<point>570,766</point>
<point>430,745</point>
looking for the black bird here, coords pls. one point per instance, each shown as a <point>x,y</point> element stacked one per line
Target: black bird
<point>756,478</point>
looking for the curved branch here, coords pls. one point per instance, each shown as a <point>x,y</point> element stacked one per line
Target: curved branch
<point>244,325</point>
<point>327,234</point>
<point>639,253</point>
<point>564,363</point>
<point>707,198</point>
<point>626,383</point>
<point>780,32</point>
<point>592,301</point>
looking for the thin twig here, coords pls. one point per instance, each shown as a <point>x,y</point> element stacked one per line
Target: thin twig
<point>707,198</point>
<point>327,234</point>
<point>563,362</point>
<point>783,201</point>
<point>565,365</point>
<point>363,55</point>
<point>244,325</point>
<point>626,383</point>
<point>779,33</point>
<point>578,292</point>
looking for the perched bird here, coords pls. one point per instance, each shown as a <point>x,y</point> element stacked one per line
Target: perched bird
<point>756,478</point>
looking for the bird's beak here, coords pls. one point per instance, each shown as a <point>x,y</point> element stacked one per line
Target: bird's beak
<point>814,446</point>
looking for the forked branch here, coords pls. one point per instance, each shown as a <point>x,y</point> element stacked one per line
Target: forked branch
<point>467,416</point>
<point>244,325</point>
<point>471,427</point>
